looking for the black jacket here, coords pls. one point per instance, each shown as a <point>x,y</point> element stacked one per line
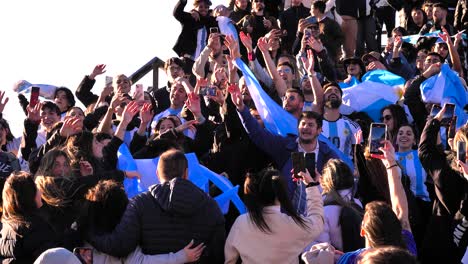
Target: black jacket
<point>21,244</point>
<point>450,189</point>
<point>187,40</point>
<point>289,20</point>
<point>461,15</point>
<point>165,219</point>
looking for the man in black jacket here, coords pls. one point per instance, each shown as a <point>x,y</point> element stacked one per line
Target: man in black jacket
<point>289,20</point>
<point>167,217</point>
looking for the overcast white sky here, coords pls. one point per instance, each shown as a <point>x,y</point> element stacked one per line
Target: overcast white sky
<point>58,42</point>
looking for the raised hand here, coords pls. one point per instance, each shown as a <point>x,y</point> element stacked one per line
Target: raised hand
<point>309,62</point>
<point>201,83</point>
<point>236,96</point>
<point>303,24</point>
<point>34,113</point>
<point>397,44</point>
<point>132,174</point>
<point>246,41</point>
<point>193,103</point>
<point>262,44</point>
<point>146,113</point>
<point>315,44</point>
<point>129,112</point>
<point>267,23</point>
<point>432,70</point>
<point>214,43</point>
<point>71,126</point>
<point>116,100</point>
<point>195,15</point>
<point>98,70</point>
<point>187,125</point>
<point>86,169</point>
<point>3,102</point>
<point>233,46</point>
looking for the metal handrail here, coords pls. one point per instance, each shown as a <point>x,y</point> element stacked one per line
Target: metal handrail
<point>152,65</point>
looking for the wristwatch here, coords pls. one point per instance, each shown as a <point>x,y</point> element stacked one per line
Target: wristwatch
<point>312,184</point>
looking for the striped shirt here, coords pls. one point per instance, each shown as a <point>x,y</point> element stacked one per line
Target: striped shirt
<point>341,133</point>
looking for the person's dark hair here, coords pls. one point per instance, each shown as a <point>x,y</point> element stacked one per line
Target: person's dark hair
<point>19,194</point>
<point>51,106</point>
<point>174,60</point>
<point>398,114</point>
<point>336,175</point>
<point>106,203</point>
<point>320,5</point>
<point>4,124</point>
<point>297,91</point>
<point>386,255</point>
<point>80,147</point>
<point>48,161</point>
<point>432,53</point>
<point>289,65</point>
<point>311,115</point>
<point>417,8</point>
<point>154,104</point>
<point>401,30</point>
<point>262,190</point>
<point>382,226</point>
<point>68,94</point>
<point>440,5</point>
<point>158,124</point>
<point>198,2</point>
<point>332,84</point>
<point>172,164</point>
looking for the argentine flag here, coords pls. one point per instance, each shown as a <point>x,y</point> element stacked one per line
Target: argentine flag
<point>198,175</point>
<point>446,87</point>
<point>413,39</point>
<point>276,119</point>
<point>378,89</point>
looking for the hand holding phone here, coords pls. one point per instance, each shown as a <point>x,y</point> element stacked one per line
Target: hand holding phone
<point>461,151</point>
<point>435,110</point>
<point>448,114</point>
<point>109,81</point>
<point>298,163</point>
<point>378,133</point>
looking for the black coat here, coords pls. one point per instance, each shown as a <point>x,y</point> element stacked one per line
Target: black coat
<point>187,40</point>
<point>165,219</point>
<point>21,244</point>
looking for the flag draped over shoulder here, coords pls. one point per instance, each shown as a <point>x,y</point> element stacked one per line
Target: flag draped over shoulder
<point>276,119</point>
<point>446,87</point>
<point>378,89</point>
<point>198,175</point>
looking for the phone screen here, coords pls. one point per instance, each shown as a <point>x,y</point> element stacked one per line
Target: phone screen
<point>307,33</point>
<point>448,114</point>
<point>461,151</point>
<point>34,99</point>
<point>310,163</point>
<point>84,254</point>
<point>453,128</point>
<point>109,81</point>
<point>214,30</point>
<point>377,134</point>
<point>435,110</point>
<point>139,94</point>
<point>298,162</point>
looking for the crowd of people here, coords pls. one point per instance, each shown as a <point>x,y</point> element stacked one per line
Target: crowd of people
<point>63,192</point>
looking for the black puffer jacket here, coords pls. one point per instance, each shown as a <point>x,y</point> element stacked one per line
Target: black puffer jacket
<point>21,244</point>
<point>164,220</point>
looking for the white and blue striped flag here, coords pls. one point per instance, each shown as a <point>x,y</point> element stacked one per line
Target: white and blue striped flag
<point>378,89</point>
<point>446,87</point>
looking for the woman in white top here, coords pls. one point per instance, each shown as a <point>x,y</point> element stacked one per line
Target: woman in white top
<point>337,183</point>
<point>272,231</point>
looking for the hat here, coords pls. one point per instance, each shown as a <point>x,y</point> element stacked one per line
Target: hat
<point>356,60</point>
<point>372,54</point>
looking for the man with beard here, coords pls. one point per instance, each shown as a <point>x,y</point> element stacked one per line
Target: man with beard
<point>279,148</point>
<point>439,14</point>
<point>340,130</point>
<point>293,102</point>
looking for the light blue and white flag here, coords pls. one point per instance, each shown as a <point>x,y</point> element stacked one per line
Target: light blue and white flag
<point>46,91</point>
<point>227,27</point>
<point>276,119</point>
<point>353,82</point>
<point>413,39</point>
<point>198,175</point>
<point>446,87</point>
<point>378,89</point>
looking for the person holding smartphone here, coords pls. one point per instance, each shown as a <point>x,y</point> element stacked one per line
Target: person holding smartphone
<point>450,182</point>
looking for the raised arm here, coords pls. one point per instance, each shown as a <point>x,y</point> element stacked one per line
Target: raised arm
<point>316,94</point>
<point>454,56</point>
<point>280,84</point>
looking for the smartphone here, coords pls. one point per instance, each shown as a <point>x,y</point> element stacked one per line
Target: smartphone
<point>34,99</point>
<point>435,110</point>
<point>208,90</point>
<point>448,114</point>
<point>139,94</point>
<point>109,81</point>
<point>307,33</point>
<point>84,254</point>
<point>452,128</point>
<point>214,30</point>
<point>310,163</point>
<point>298,162</point>
<point>461,151</point>
<point>378,132</point>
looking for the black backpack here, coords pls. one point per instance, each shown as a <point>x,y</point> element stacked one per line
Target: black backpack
<point>350,221</point>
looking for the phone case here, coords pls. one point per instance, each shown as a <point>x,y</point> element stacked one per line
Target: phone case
<point>298,162</point>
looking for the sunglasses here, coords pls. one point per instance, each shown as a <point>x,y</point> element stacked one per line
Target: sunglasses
<point>285,71</point>
<point>386,118</point>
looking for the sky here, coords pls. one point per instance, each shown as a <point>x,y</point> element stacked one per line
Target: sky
<point>58,42</point>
